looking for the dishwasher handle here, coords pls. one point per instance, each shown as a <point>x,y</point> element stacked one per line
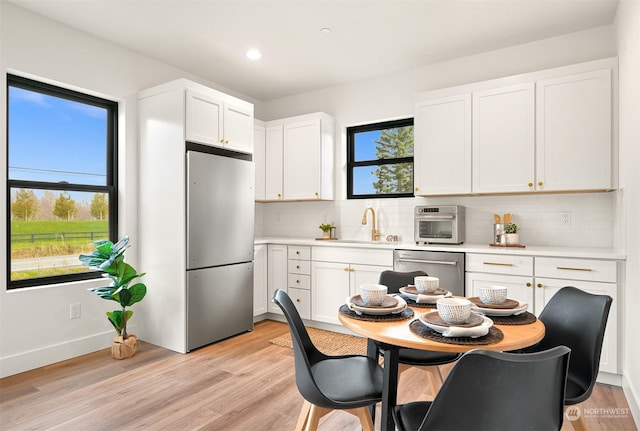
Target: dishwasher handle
<point>437,262</point>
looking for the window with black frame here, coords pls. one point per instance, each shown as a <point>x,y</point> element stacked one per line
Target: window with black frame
<point>61,181</point>
<point>380,160</point>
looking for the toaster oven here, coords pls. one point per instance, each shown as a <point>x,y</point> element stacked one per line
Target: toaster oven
<point>439,224</point>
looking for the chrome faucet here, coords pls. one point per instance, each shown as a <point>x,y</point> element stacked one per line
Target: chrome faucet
<point>375,233</point>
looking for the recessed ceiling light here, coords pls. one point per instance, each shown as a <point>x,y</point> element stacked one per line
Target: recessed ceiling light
<point>254,54</point>
<point>325,30</point>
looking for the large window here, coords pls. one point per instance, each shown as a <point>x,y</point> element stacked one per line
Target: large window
<point>61,180</point>
<point>380,160</point>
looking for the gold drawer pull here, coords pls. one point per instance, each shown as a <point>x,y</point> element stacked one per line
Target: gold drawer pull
<point>298,281</point>
<point>498,263</point>
<point>297,266</point>
<point>528,284</point>
<point>539,285</point>
<point>346,269</point>
<point>298,300</point>
<point>574,269</point>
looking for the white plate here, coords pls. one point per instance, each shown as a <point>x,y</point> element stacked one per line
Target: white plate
<point>521,308</point>
<point>424,298</point>
<point>458,331</point>
<point>377,311</point>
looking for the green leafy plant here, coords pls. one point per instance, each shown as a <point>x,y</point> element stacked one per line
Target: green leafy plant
<point>511,228</point>
<point>326,227</point>
<point>109,257</point>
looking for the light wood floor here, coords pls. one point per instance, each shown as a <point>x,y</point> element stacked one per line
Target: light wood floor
<point>241,384</point>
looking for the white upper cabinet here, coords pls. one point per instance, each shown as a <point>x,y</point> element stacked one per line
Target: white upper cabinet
<point>259,153</point>
<point>546,131</point>
<point>211,120</point>
<point>503,139</point>
<point>298,158</point>
<point>302,153</point>
<point>442,151</point>
<point>573,132</point>
<point>272,162</point>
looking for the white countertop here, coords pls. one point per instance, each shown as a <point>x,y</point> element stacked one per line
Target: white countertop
<point>541,251</point>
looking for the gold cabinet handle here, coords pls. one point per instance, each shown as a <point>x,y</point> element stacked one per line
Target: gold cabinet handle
<point>298,300</point>
<point>346,269</point>
<point>226,141</point>
<point>530,184</point>
<point>298,281</point>
<point>540,183</point>
<point>221,141</point>
<point>568,268</point>
<point>497,263</point>
<point>317,194</point>
<point>528,284</point>
<point>352,270</point>
<point>279,195</point>
<point>298,252</point>
<point>417,189</point>
<point>539,285</point>
<point>297,266</point>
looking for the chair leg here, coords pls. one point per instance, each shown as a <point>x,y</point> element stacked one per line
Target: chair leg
<point>304,415</point>
<point>365,417</point>
<point>578,424</point>
<point>315,413</point>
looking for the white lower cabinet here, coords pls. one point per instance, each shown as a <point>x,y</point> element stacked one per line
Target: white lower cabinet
<point>299,279</point>
<point>336,275</point>
<point>535,280</point>
<point>260,279</point>
<point>594,276</point>
<point>276,273</point>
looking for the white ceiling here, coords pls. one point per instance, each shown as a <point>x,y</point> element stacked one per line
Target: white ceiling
<point>369,37</point>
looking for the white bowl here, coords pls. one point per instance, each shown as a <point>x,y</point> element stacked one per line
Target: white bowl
<point>426,284</point>
<point>373,294</point>
<point>454,310</point>
<point>492,294</point>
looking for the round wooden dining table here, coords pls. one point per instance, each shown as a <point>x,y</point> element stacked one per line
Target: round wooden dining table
<point>390,336</point>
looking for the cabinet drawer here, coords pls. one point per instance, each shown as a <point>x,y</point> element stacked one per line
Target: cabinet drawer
<point>499,264</point>
<point>576,269</point>
<point>302,300</point>
<point>299,266</point>
<point>299,252</point>
<point>299,281</point>
<point>361,256</point>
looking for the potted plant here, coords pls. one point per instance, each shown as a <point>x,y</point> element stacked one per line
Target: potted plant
<point>511,233</point>
<point>326,229</point>
<point>109,258</point>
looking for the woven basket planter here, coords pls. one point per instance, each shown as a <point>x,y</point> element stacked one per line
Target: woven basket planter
<point>123,349</point>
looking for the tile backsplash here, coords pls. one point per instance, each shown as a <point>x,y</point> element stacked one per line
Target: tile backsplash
<point>592,219</point>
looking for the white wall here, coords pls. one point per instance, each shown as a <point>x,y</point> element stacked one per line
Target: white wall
<point>628,41</point>
<point>593,219</point>
<point>35,328</point>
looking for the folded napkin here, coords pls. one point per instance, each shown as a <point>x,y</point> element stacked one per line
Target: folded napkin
<point>457,331</point>
<point>424,298</point>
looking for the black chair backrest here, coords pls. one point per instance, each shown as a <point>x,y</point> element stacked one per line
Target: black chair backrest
<point>496,391</point>
<point>304,351</point>
<point>394,280</point>
<point>577,319</point>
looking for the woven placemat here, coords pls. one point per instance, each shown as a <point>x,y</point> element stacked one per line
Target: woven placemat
<point>413,303</point>
<point>420,329</point>
<point>521,319</point>
<point>406,314</point>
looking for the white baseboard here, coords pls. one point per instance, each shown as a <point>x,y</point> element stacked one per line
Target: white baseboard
<point>25,361</point>
<point>633,399</point>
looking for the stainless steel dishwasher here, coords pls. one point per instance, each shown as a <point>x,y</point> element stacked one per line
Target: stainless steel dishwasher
<point>447,266</point>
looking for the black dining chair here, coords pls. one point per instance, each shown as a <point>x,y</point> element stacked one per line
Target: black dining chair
<point>576,319</point>
<point>494,391</point>
<point>350,382</point>
<point>394,280</point>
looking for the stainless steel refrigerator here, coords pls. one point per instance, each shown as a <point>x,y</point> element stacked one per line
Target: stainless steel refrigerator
<point>220,236</point>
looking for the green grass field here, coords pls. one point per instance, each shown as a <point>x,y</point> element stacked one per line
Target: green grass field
<point>55,244</point>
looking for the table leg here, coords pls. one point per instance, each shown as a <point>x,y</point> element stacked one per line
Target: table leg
<point>390,386</point>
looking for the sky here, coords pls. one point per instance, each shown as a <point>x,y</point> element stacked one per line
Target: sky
<point>53,139</point>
